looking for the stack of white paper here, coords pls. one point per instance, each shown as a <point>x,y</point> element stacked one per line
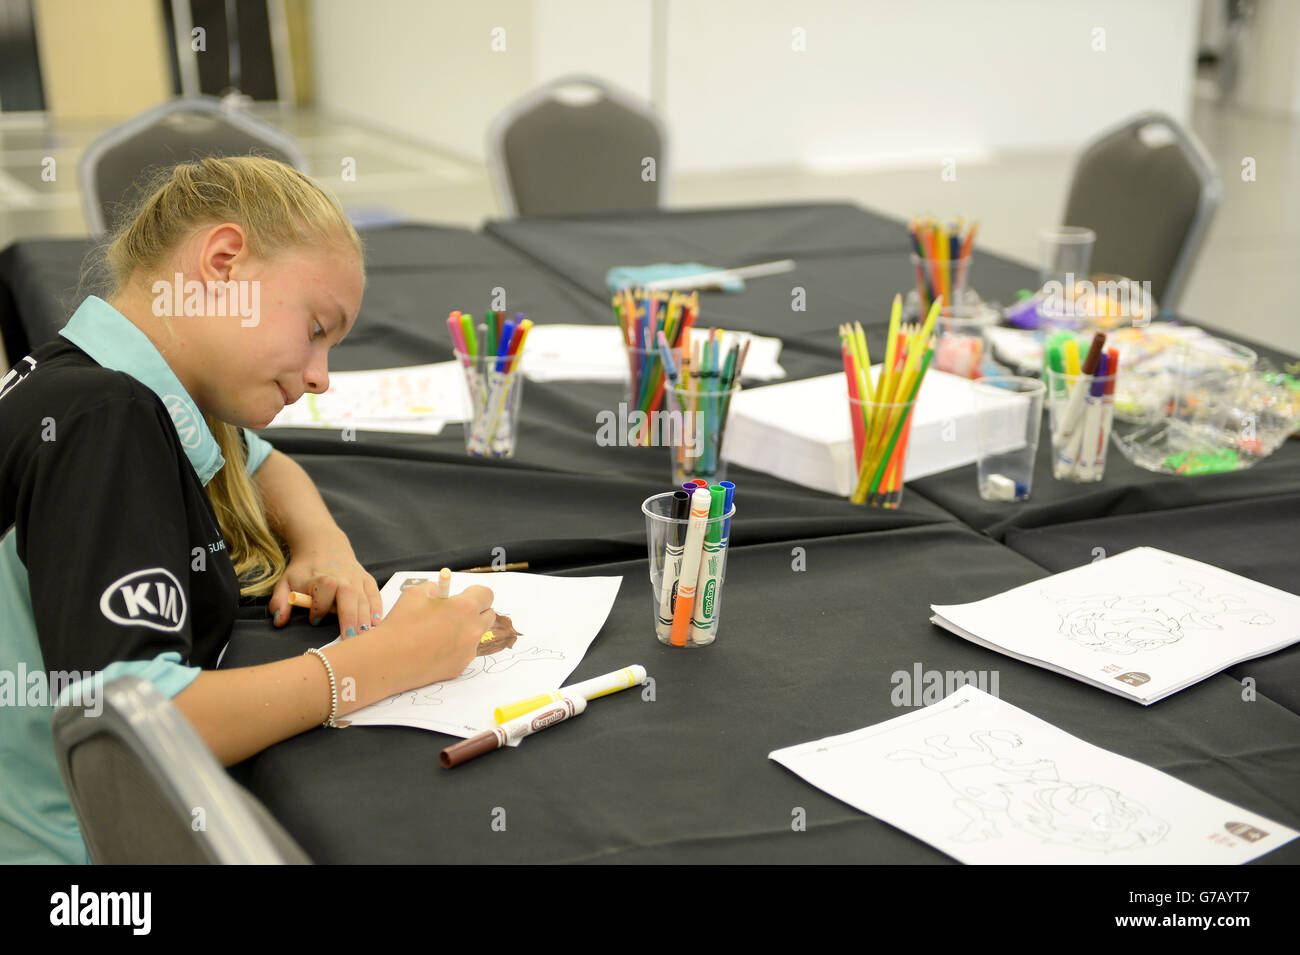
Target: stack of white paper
<point>988,783</point>
<point>800,431</point>
<point>598,353</point>
<point>1142,624</point>
<point>417,398</point>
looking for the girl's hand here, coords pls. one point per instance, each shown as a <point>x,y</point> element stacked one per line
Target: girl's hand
<point>328,570</point>
<point>436,638</point>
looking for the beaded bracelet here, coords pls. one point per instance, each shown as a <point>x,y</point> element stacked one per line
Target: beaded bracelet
<point>334,690</point>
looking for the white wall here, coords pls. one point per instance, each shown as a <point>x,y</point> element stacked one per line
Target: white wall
<point>886,82</point>
<point>424,69</point>
<point>610,39</point>
<point>879,81</point>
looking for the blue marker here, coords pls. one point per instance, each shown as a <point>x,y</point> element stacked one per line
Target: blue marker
<point>507,331</point>
<point>726,506</point>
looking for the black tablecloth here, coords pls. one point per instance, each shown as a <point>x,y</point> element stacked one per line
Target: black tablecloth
<point>802,653</point>
<point>685,778</point>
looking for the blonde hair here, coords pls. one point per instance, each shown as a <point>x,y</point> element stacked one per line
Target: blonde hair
<point>278,208</point>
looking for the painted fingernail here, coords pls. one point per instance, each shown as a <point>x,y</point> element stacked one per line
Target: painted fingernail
<point>350,632</point>
<point>365,627</point>
<point>374,616</point>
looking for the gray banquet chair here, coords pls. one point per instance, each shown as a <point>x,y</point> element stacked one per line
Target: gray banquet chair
<point>1150,205</point>
<point>179,130</point>
<point>549,157</point>
<point>136,773</point>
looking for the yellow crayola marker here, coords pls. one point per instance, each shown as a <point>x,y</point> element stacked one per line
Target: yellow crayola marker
<point>588,689</point>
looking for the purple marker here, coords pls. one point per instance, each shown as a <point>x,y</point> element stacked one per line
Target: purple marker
<point>1085,467</point>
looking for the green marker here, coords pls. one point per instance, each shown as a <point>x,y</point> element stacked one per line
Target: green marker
<point>705,613</point>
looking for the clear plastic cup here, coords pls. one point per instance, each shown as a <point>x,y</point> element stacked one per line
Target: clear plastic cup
<point>960,350</point>
<point>694,430</point>
<point>940,277</point>
<point>493,398</point>
<point>1008,417</point>
<point>880,451</point>
<point>665,543</point>
<point>1082,410</point>
<point>1066,254</point>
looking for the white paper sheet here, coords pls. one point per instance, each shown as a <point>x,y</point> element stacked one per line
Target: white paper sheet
<point>417,398</point>
<point>597,353</point>
<point>1142,624</point>
<point>556,617</point>
<point>986,782</point>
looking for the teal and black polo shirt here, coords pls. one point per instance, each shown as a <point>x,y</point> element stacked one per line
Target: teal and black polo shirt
<point>111,562</point>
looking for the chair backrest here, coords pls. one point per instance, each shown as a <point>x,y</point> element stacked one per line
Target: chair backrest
<point>550,157</point>
<point>1150,204</point>
<point>148,791</point>
<point>179,130</point>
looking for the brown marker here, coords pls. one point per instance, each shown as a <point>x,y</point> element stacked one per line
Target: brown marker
<point>509,732</point>
<point>1094,354</point>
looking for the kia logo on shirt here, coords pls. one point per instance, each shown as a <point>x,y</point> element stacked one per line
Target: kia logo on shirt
<point>145,598</point>
<point>183,418</point>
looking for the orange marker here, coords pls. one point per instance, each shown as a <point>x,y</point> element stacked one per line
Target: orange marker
<point>299,600</point>
<point>444,582</point>
<point>690,571</point>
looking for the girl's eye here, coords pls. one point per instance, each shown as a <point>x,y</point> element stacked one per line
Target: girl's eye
<point>319,331</point>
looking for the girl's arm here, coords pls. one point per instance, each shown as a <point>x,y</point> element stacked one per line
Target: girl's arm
<point>321,558</point>
<point>425,639</point>
<point>241,712</point>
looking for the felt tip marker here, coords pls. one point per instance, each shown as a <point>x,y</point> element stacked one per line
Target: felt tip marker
<point>682,613</point>
<point>673,549</point>
<point>444,582</point>
<point>1085,464</point>
<point>711,557</point>
<point>512,731</point>
<point>597,686</point>
<point>299,600</point>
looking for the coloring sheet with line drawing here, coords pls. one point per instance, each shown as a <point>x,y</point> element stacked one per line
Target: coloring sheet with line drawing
<point>417,398</point>
<point>987,783</point>
<point>1142,624</point>
<point>549,624</point>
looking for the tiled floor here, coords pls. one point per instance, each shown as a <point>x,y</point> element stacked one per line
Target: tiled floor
<point>1247,278</point>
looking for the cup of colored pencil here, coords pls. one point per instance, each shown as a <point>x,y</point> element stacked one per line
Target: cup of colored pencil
<point>642,317</point>
<point>941,257</point>
<point>703,377</point>
<point>880,411</point>
<point>489,353</point>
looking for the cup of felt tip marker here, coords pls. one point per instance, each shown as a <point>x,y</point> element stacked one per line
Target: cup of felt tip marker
<point>494,394</point>
<point>1082,411</point>
<point>687,537</point>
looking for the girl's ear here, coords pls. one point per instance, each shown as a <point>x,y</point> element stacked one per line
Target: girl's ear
<point>220,247</point>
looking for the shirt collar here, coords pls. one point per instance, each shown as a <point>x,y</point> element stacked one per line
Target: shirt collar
<point>109,337</point>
